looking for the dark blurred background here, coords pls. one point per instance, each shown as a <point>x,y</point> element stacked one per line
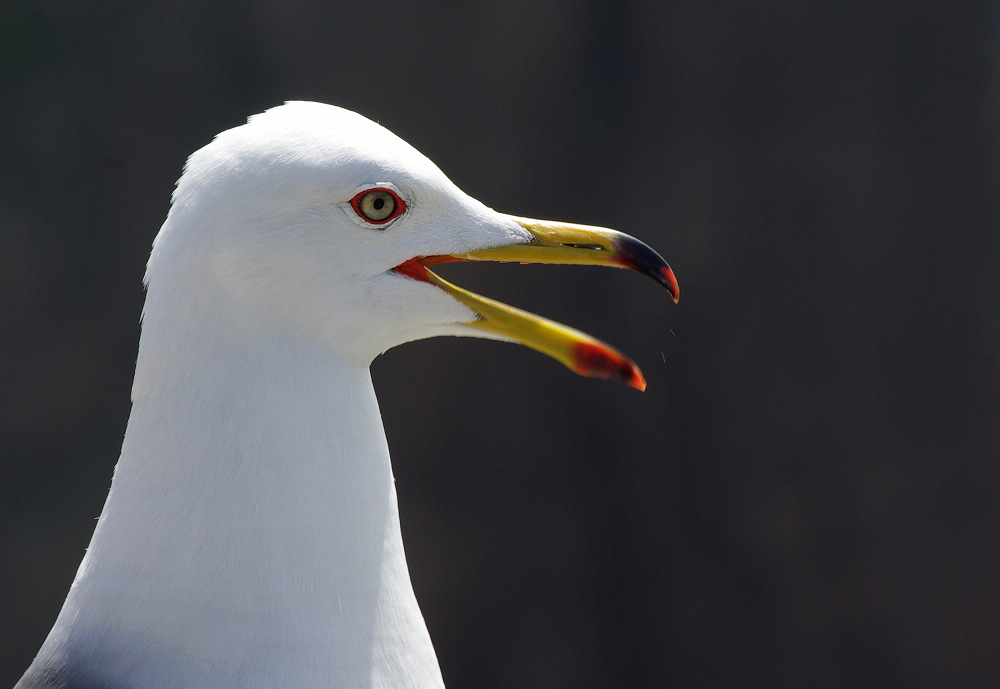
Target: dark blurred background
<point>808,495</point>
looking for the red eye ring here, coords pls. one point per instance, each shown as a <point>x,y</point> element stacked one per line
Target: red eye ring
<point>378,205</point>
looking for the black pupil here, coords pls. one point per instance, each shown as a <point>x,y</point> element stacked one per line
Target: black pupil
<point>378,203</point>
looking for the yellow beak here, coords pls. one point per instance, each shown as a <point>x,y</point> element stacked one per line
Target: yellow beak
<point>555,243</point>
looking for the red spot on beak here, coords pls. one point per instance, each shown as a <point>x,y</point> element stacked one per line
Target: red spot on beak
<point>600,362</point>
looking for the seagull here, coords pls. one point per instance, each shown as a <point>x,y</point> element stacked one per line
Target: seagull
<point>251,536</point>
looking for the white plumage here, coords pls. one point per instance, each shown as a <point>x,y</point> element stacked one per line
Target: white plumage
<point>251,536</point>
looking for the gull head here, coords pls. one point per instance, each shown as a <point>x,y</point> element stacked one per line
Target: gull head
<point>314,223</point>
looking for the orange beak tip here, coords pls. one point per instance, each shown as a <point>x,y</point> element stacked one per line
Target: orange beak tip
<point>670,282</point>
<point>590,359</point>
<point>639,383</point>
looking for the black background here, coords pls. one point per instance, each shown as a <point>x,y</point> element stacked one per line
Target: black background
<point>808,495</point>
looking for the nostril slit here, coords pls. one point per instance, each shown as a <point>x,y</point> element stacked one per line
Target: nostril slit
<point>594,247</point>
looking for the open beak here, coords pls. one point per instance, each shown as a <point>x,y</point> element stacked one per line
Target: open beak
<point>563,243</point>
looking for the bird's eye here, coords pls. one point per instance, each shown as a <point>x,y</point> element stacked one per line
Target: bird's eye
<point>378,206</point>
